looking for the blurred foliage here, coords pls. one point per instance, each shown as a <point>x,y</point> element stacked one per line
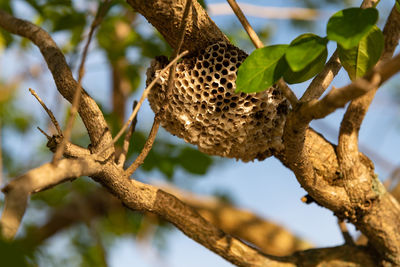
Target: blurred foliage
<point>10,114</point>
<point>15,254</point>
<point>167,157</point>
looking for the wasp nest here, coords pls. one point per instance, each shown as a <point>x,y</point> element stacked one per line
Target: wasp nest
<point>205,110</point>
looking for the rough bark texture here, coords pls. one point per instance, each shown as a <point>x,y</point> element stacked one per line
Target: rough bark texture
<point>166,17</point>
<point>90,113</point>
<point>269,237</point>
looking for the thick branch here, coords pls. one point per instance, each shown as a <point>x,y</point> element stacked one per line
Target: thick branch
<point>355,113</point>
<point>166,16</point>
<point>70,150</point>
<point>142,197</point>
<point>337,98</point>
<point>88,110</point>
<point>362,201</point>
<point>356,167</point>
<point>100,203</point>
<point>269,237</point>
<point>46,176</point>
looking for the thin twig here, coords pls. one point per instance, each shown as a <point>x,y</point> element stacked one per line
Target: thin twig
<point>182,28</point>
<point>287,92</point>
<point>77,95</point>
<point>144,96</point>
<point>322,81</point>
<point>245,23</point>
<point>336,98</point>
<point>146,149</point>
<point>175,53</point>
<point>348,239</point>
<point>44,133</point>
<point>157,119</point>
<point>141,100</point>
<point>48,111</point>
<point>128,136</point>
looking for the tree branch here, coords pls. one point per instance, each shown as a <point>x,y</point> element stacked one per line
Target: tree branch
<point>285,89</point>
<point>127,139</point>
<point>101,11</point>
<point>88,110</point>
<point>322,81</point>
<point>141,100</point>
<point>101,202</point>
<point>46,176</point>
<point>142,197</point>
<point>337,98</point>
<point>245,23</point>
<point>48,111</point>
<point>269,237</point>
<point>146,149</point>
<point>363,200</point>
<point>355,113</point>
<point>166,16</point>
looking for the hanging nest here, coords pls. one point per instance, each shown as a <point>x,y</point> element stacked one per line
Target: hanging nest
<point>205,111</point>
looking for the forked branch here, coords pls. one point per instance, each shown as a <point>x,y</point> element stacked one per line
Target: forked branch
<point>88,110</point>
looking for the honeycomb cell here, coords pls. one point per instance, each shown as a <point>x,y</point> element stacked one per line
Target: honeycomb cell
<point>205,110</point>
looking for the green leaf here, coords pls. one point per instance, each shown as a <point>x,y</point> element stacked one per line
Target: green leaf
<point>360,59</point>
<point>194,161</point>
<point>308,72</point>
<point>349,26</point>
<point>261,70</point>
<point>305,49</point>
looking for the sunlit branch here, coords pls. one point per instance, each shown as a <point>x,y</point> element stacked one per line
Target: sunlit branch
<point>17,192</point>
<point>78,91</point>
